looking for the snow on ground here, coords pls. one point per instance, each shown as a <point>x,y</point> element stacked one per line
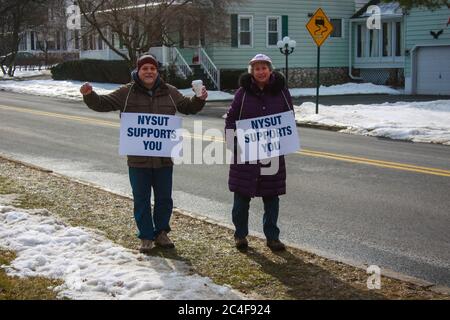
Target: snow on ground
<point>212,95</point>
<point>71,89</point>
<point>93,267</point>
<point>58,89</point>
<point>412,121</point>
<point>347,88</point>
<point>25,73</point>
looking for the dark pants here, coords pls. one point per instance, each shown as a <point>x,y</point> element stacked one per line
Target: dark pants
<point>142,181</point>
<point>241,207</point>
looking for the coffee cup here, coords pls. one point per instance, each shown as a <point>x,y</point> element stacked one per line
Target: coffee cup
<point>197,85</point>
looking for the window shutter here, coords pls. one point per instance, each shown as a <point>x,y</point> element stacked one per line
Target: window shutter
<point>284,26</point>
<point>234,30</point>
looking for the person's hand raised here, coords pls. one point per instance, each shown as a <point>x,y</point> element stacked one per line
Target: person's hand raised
<point>204,93</point>
<point>86,89</point>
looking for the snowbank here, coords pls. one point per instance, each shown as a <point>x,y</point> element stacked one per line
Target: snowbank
<point>347,88</point>
<point>20,74</point>
<point>412,121</point>
<point>93,267</point>
<point>71,89</point>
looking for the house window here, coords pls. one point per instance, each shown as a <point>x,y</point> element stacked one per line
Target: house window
<point>85,42</point>
<point>51,44</point>
<point>91,42</point>
<point>392,39</point>
<point>374,43</point>
<point>337,28</point>
<point>33,46</point>
<point>245,31</point>
<point>64,41</point>
<point>361,41</point>
<point>58,40</point>
<point>124,36</point>
<point>387,40</point>
<point>121,44</point>
<point>76,35</point>
<point>99,43</point>
<point>398,39</point>
<point>23,42</point>
<point>273,30</point>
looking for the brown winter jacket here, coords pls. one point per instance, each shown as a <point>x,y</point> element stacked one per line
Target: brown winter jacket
<point>165,100</point>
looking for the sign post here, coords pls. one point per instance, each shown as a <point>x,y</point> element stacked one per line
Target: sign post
<point>320,28</point>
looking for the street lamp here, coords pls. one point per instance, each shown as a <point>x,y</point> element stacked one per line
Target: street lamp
<point>286,47</point>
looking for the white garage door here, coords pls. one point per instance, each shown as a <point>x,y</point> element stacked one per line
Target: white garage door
<point>433,70</point>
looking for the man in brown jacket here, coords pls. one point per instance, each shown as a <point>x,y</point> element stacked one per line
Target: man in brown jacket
<point>148,93</point>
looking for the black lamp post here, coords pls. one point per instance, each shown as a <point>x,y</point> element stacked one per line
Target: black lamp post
<point>286,47</point>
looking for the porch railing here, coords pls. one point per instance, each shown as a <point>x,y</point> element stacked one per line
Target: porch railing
<point>210,68</point>
<point>180,63</point>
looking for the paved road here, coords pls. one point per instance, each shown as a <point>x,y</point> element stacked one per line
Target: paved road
<point>373,201</point>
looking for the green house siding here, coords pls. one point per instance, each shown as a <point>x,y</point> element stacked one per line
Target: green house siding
<point>334,52</point>
<point>419,23</point>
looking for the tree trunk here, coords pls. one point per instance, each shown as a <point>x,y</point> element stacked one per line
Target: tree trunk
<point>15,41</point>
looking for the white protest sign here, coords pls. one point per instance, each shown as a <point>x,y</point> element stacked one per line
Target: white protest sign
<point>147,134</point>
<point>267,137</point>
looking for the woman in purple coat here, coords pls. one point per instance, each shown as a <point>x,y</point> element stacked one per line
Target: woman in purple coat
<point>262,92</point>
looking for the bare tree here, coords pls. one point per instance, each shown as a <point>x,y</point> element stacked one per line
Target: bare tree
<point>18,15</point>
<point>5,37</point>
<point>139,25</point>
<point>49,26</point>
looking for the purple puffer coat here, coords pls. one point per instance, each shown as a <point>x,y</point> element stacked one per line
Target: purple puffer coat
<point>246,178</point>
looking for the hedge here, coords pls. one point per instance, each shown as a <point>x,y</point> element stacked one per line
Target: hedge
<point>118,72</point>
<point>93,71</point>
<point>108,71</point>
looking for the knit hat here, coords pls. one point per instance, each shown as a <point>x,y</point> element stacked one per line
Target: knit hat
<point>148,58</point>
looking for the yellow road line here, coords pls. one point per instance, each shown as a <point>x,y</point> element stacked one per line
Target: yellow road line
<point>372,161</point>
<point>304,152</point>
<point>398,167</point>
<point>62,116</point>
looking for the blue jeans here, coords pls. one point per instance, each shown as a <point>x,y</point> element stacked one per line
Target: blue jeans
<point>241,207</point>
<point>142,181</point>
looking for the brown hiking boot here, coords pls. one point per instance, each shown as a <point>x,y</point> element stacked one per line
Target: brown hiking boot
<point>241,243</point>
<point>146,246</point>
<point>163,241</point>
<point>276,245</point>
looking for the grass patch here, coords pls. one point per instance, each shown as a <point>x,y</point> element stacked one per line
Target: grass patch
<point>207,248</point>
<point>24,200</point>
<point>7,186</point>
<point>14,288</point>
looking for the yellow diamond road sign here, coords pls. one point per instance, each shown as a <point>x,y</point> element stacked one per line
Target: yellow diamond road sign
<point>319,27</point>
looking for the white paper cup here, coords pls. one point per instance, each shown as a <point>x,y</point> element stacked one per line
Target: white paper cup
<point>197,85</point>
